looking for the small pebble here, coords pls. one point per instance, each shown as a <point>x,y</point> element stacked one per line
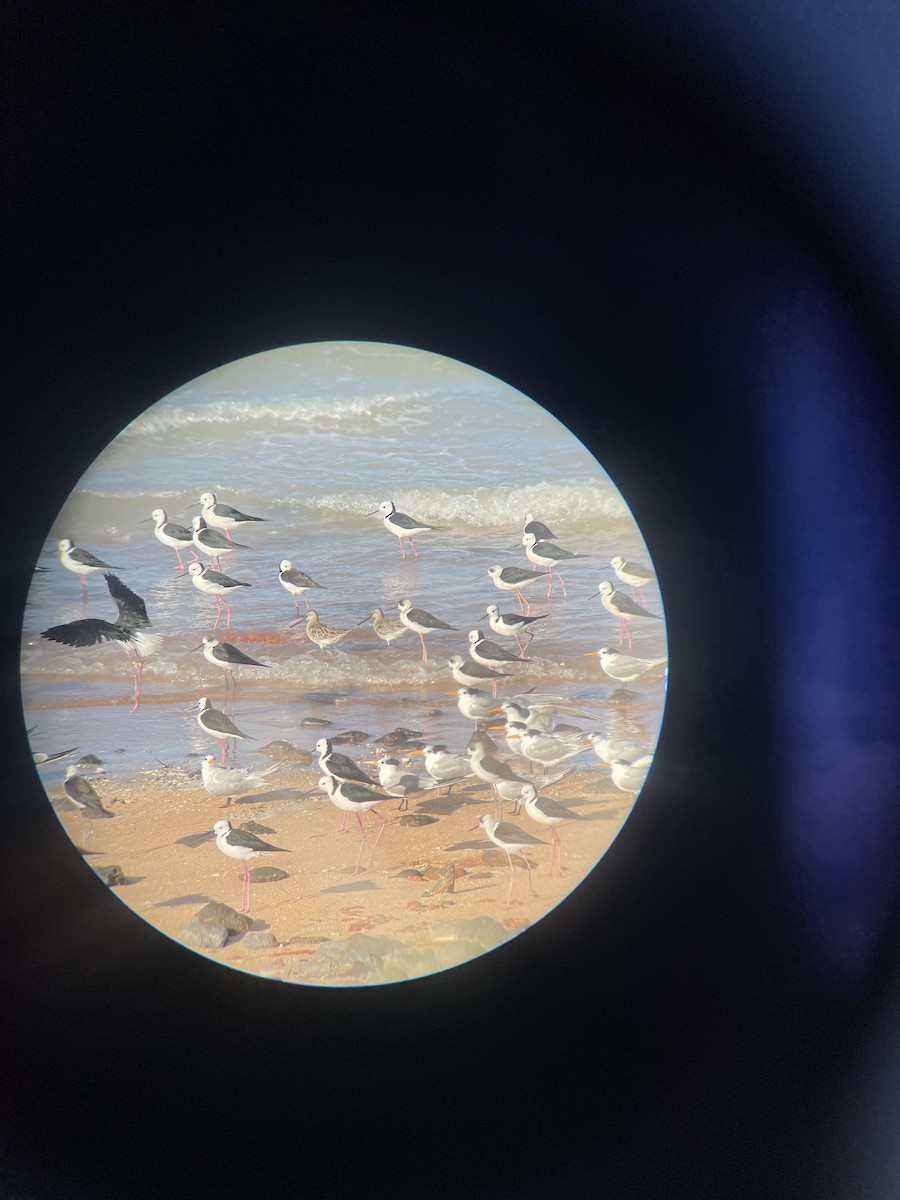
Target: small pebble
<point>267,874</point>
<point>89,760</point>
<point>259,939</point>
<point>112,876</point>
<point>204,937</point>
<point>314,723</point>
<point>417,819</point>
<point>354,738</point>
<point>222,915</point>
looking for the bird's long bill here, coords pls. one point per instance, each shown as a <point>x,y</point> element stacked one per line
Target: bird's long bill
<point>196,504</point>
<point>594,596</point>
<point>421,751</point>
<point>363,621</point>
<point>591,653</point>
<point>200,647</point>
<point>181,574</point>
<point>372,514</point>
<point>145,521</point>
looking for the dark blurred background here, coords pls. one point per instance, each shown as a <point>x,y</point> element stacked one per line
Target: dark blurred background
<point>677,230</point>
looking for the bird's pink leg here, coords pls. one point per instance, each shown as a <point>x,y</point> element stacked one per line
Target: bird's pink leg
<point>549,581</point>
<point>414,550</point>
<point>509,889</point>
<point>555,849</point>
<point>528,865</point>
<point>560,578</point>
<point>424,651</point>
<point>345,823</point>
<point>228,535</point>
<point>519,644</point>
<point>402,551</point>
<point>228,610</point>
<point>218,612</point>
<point>521,601</point>
<point>358,869</point>
<point>383,821</point>
<point>245,893</point>
<point>628,632</point>
<point>493,689</point>
<point>180,559</point>
<point>296,604</point>
<point>306,602</point>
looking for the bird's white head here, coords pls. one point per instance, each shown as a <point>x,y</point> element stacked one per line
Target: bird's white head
<point>488,824</point>
<point>210,641</point>
<point>457,660</point>
<point>606,588</point>
<point>158,515</point>
<point>474,636</point>
<point>494,571</point>
<point>326,784</point>
<point>64,545</point>
<point>197,523</point>
<point>405,605</point>
<point>221,828</point>
<point>284,565</point>
<point>196,569</point>
<point>386,507</point>
<point>210,760</point>
<point>203,703</point>
<point>617,563</point>
<point>528,540</point>
<point>493,610</point>
<point>323,746</point>
<point>528,793</point>
<point>208,498</point>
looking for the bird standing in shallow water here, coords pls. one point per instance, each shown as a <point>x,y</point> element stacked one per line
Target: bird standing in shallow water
<point>389,631</point>
<point>217,724</point>
<point>81,562</point>
<point>226,656</point>
<point>548,556</point>
<point>297,583</point>
<point>513,579</point>
<point>324,636</point>
<point>223,516</point>
<point>420,622</point>
<point>217,585</point>
<point>634,574</point>
<point>171,534</point>
<point>401,525</point>
<point>237,843</point>
<point>620,606</point>
<point>127,632</point>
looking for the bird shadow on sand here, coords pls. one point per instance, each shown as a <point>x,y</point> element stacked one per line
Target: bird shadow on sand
<point>475,844</point>
<point>443,806</point>
<point>178,901</point>
<point>193,840</point>
<point>270,797</point>
<point>355,885</point>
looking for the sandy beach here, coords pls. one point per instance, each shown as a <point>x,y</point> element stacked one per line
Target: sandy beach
<point>400,918</point>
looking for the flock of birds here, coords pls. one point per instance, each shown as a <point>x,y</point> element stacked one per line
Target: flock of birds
<point>532,724</point>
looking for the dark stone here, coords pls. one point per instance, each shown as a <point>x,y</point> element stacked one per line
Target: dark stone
<point>89,760</point>
<point>267,874</point>
<point>222,915</point>
<point>314,723</point>
<point>259,940</point>
<point>255,827</point>
<point>204,937</point>
<point>354,738</point>
<point>112,876</point>
<point>417,819</point>
<point>446,881</point>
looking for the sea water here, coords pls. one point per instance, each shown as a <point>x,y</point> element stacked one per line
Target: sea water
<point>312,439</point>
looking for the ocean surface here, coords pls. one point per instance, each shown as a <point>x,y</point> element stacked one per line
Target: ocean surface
<point>313,438</point>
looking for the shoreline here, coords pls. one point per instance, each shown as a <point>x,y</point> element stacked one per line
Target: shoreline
<point>393,921</point>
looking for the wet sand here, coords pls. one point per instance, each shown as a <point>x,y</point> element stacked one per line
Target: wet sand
<point>395,920</point>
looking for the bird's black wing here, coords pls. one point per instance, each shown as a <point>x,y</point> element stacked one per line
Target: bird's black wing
<point>132,609</point>
<point>87,632</point>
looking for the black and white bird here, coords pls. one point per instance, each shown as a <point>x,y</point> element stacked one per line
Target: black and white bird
<point>634,574</point>
<point>512,624</point>
<point>215,584</point>
<point>538,528</point>
<point>401,525</point>
<point>513,579</point>
<point>340,766</point>
<point>467,674</point>
<point>217,725</point>
<point>509,837</point>
<point>81,562</point>
<point>210,541</point>
<point>296,583</point>
<point>227,656</point>
<point>238,843</point>
<point>223,516</point>
<point>487,766</point>
<point>548,555</point>
<point>488,653</point>
<point>620,606</point>
<point>352,797</point>
<point>420,622</point>
<point>171,534</point>
<point>127,631</point>
<point>389,631</point>
<point>550,812</point>
<point>81,792</point>
<point>232,781</point>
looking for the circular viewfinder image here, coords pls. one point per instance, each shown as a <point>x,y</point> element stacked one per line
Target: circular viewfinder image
<point>344,664</point>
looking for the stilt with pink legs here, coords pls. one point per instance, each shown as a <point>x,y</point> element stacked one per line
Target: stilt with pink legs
<point>173,535</point>
<point>355,798</point>
<point>127,632</point>
<point>508,837</point>
<point>214,584</point>
<point>513,579</point>
<point>217,725</point>
<point>634,574</point>
<point>549,556</point>
<point>619,605</point>
<point>297,583</point>
<point>223,516</point>
<point>401,525</point>
<point>512,624</point>
<point>81,562</point>
<point>468,674</point>
<point>226,656</point>
<point>421,622</point>
<point>237,843</point>
<point>548,812</point>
